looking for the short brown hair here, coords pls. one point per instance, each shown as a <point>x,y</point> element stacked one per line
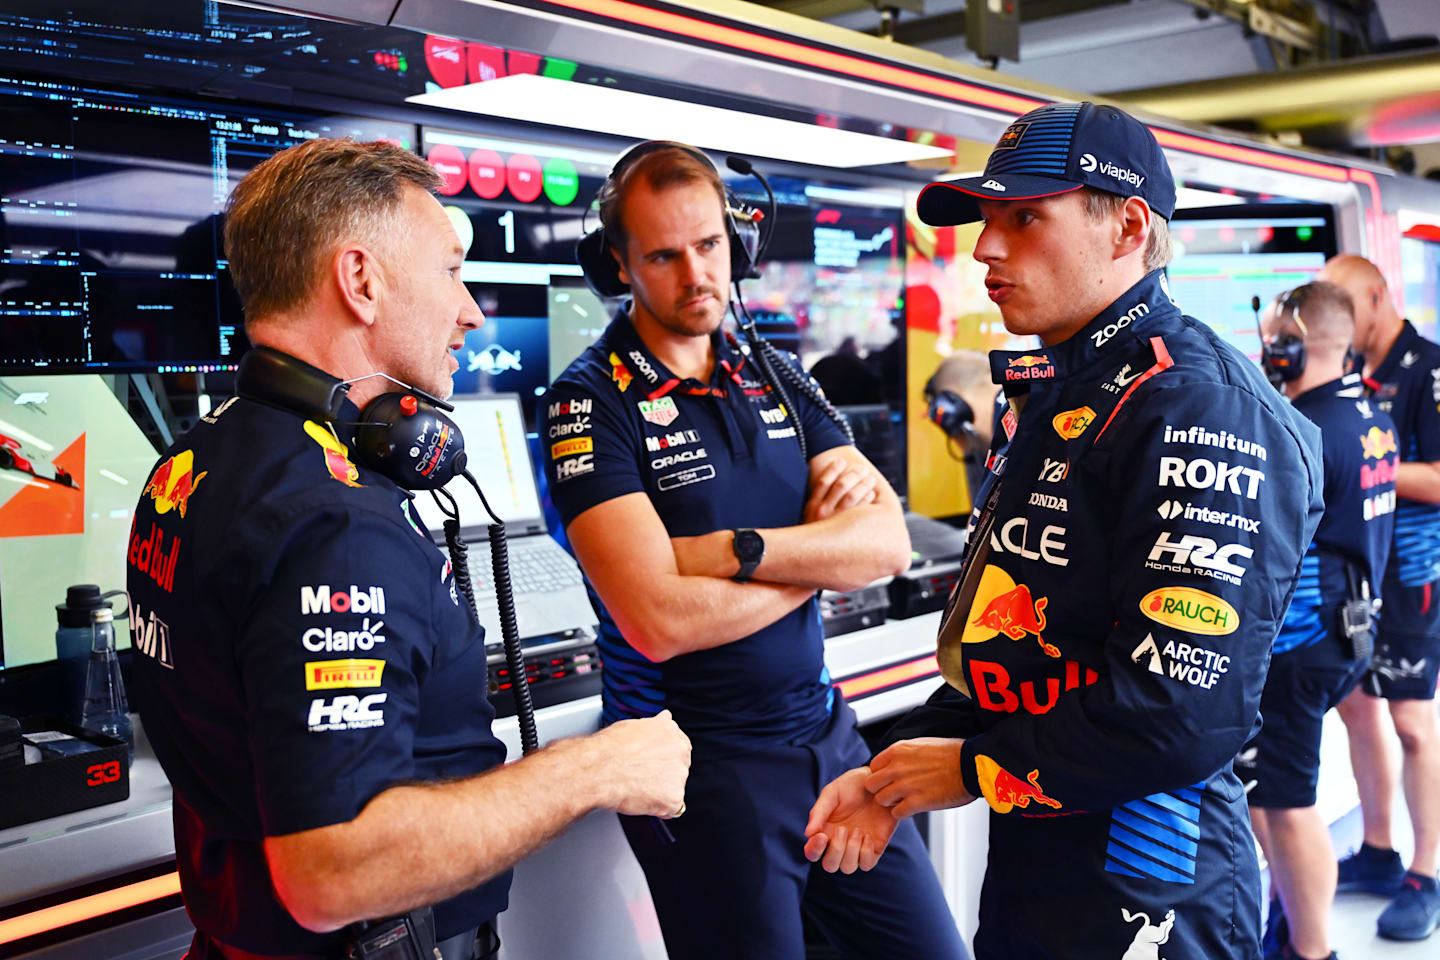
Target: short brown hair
<point>1325,309</point>
<point>662,166</point>
<point>285,217</point>
<point>1159,251</point>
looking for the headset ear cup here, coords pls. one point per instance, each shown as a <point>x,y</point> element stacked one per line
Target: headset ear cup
<point>601,270</point>
<point>744,249</point>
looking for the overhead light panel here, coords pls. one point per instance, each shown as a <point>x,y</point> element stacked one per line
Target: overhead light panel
<point>584,106</point>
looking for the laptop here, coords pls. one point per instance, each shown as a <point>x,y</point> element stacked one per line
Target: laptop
<point>551,603</point>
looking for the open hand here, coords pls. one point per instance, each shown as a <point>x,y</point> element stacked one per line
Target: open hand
<point>847,827</point>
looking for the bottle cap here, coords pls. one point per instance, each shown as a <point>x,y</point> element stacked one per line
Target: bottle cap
<point>80,600</point>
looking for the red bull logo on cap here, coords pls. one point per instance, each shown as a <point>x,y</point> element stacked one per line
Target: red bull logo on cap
<point>1006,607</point>
<point>1030,368</point>
<point>1378,443</point>
<point>174,482</point>
<point>1004,791</point>
<point>337,455</point>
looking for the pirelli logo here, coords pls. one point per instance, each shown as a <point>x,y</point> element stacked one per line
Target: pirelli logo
<point>343,674</point>
<point>568,448</point>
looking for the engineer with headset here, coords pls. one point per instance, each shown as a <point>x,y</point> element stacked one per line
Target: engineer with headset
<point>708,493</point>
<point>1325,640</point>
<point>317,692</point>
<point>964,404</point>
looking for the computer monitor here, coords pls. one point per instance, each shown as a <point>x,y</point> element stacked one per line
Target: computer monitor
<point>111,207</point>
<point>576,318</point>
<point>880,436</point>
<point>1225,256</point>
<point>496,453</point>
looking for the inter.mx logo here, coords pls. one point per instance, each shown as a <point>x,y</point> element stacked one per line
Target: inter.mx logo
<point>1172,509</point>
<point>339,600</point>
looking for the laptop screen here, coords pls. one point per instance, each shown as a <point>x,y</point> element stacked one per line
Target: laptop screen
<point>496,453</point>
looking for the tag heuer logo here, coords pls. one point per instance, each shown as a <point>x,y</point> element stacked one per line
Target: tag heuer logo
<point>993,185</point>
<point>1087,162</point>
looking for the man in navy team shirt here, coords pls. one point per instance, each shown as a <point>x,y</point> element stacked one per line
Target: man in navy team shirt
<point>703,536</point>
<point>1313,666</point>
<point>1402,372</point>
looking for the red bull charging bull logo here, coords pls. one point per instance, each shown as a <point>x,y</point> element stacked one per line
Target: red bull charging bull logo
<point>1006,607</point>
<point>1004,791</point>
<point>1030,368</point>
<point>1378,443</point>
<point>620,373</point>
<point>337,455</point>
<point>174,482</point>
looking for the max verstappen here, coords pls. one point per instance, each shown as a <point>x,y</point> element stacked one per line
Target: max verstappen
<point>1148,500</point>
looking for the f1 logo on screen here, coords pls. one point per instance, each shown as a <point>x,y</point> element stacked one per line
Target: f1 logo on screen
<point>102,773</point>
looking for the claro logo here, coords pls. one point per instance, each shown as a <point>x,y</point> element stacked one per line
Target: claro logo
<point>1191,610</point>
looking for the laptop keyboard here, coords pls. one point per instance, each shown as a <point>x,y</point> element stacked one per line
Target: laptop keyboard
<point>542,567</point>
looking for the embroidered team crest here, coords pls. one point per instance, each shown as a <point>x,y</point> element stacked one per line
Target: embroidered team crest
<point>1010,139</point>
<point>661,412</point>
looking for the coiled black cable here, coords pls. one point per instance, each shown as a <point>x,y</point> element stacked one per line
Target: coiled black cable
<point>504,598</point>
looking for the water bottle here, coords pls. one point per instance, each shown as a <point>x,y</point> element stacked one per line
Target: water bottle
<point>103,708</point>
<point>73,639</point>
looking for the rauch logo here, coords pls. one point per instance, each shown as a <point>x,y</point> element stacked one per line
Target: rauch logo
<point>1191,610</point>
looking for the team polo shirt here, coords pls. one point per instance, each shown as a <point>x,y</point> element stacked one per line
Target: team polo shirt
<point>1361,456</point>
<point>300,647</point>
<point>716,455</point>
<point>1406,385</point>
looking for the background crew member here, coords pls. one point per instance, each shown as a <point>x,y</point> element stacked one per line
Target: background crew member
<point>1307,335</point>
<point>1402,372</point>
<point>673,450</point>
<point>320,708</point>
<point>961,400</point>
<point>1142,530</point>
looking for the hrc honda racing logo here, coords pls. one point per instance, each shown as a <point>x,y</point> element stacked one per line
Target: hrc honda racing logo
<point>324,599</point>
<point>1198,555</point>
<point>346,712</point>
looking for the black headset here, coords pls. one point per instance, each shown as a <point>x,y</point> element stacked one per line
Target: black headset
<point>401,435</point>
<point>1282,357</point>
<point>742,224</point>
<point>950,412</point>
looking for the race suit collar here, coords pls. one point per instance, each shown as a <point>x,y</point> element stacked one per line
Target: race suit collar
<point>1396,357</point>
<point>1347,387</point>
<point>631,354</point>
<point>1131,312</point>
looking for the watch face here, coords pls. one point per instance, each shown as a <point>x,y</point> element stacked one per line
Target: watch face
<point>749,545</point>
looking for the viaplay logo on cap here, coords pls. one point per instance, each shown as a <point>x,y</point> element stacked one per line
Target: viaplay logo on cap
<point>1087,162</point>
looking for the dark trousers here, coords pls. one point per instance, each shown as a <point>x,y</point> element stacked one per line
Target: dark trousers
<point>735,882</point>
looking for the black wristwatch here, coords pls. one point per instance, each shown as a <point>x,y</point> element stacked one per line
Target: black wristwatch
<point>749,549</point>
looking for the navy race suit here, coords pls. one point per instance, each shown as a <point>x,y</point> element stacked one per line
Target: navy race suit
<point>299,649</point>
<point>768,729</point>
<point>1406,385</point>
<point>1360,456</point>
<point>1313,666</point>
<point>1142,528</point>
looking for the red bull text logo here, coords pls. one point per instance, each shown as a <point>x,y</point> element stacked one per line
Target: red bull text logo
<point>1006,608</point>
<point>1191,610</point>
<point>1004,791</point>
<point>994,690</point>
<point>173,483</point>
<point>337,455</point>
<point>620,373</point>
<point>1030,368</point>
<point>1072,423</point>
<point>1377,443</point>
<point>150,557</point>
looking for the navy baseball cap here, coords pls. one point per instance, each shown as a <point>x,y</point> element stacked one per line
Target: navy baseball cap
<point>1055,149</point>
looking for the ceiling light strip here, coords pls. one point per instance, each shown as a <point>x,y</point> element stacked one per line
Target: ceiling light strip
<point>88,908</point>
<point>802,54</point>
<point>862,69</point>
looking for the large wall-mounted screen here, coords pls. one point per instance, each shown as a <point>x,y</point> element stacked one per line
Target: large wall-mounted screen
<point>1225,256</point>
<point>110,215</point>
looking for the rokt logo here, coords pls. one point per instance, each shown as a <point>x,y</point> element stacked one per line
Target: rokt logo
<point>1210,475</point>
<point>338,600</point>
